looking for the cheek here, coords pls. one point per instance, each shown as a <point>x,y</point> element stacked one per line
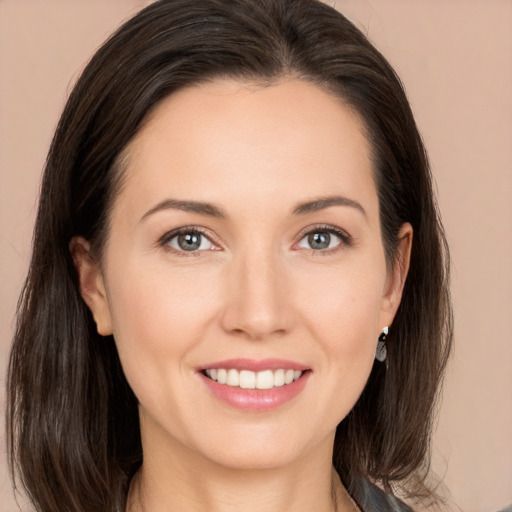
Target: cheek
<point>344,301</point>
<point>158,316</point>
<point>156,300</point>
<point>342,312</point>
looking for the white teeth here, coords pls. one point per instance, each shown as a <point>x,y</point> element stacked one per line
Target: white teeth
<point>222,376</point>
<point>265,380</point>
<point>247,379</point>
<point>233,378</point>
<point>279,378</point>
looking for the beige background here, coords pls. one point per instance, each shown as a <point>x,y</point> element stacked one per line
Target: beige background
<point>455,58</point>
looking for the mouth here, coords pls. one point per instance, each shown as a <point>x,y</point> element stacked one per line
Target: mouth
<point>256,386</point>
<point>248,379</point>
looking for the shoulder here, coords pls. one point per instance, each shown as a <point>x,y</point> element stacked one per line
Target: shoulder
<point>370,498</point>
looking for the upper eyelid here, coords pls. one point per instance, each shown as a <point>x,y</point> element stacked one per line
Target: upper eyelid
<point>325,227</point>
<point>169,235</point>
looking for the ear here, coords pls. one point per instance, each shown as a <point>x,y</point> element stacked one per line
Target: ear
<point>92,287</point>
<point>397,275</point>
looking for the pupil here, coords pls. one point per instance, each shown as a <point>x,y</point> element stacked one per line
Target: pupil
<point>189,241</point>
<point>319,240</point>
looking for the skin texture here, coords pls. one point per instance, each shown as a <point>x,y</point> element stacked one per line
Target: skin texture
<point>255,289</point>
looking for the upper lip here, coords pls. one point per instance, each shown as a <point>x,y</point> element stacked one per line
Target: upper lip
<point>255,365</point>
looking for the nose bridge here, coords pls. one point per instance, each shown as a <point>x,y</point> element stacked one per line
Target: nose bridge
<point>257,305</point>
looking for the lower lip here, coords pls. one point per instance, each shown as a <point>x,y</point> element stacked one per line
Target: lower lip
<point>256,399</point>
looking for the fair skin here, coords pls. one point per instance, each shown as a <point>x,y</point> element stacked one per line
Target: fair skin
<point>270,271</point>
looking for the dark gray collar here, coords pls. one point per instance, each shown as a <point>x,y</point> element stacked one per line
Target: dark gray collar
<point>370,498</point>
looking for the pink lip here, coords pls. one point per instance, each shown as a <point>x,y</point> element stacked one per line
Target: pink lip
<point>254,365</point>
<point>256,400</point>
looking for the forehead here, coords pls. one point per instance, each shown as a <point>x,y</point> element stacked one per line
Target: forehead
<point>224,140</point>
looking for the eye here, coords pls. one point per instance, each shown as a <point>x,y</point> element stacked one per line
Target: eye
<point>323,238</point>
<point>187,240</point>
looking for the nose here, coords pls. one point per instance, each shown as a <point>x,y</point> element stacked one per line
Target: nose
<point>258,302</point>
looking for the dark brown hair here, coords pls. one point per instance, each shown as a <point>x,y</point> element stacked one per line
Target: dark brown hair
<point>73,428</point>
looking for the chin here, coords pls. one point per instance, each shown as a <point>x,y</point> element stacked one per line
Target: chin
<point>264,450</point>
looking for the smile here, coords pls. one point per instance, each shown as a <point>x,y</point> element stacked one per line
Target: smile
<point>255,385</point>
<point>247,379</point>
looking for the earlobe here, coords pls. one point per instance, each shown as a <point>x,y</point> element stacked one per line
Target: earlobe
<point>398,274</point>
<point>92,287</point>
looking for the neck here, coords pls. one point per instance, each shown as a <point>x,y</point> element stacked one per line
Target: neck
<point>183,480</point>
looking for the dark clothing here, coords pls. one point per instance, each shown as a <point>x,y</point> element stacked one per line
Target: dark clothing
<point>370,498</point>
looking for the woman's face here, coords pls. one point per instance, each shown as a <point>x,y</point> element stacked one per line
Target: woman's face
<point>245,244</point>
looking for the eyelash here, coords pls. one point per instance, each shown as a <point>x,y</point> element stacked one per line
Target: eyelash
<point>185,230</point>
<point>345,239</point>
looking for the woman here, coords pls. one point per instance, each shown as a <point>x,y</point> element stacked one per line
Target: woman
<point>238,296</point>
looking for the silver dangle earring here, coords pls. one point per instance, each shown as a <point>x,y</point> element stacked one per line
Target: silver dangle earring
<point>382,352</point>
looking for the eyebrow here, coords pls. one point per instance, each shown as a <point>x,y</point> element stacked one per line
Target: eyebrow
<point>187,206</point>
<point>326,202</point>
<point>211,210</point>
